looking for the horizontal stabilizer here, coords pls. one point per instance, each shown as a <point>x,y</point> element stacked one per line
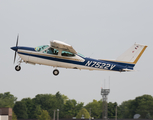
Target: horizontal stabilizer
<point>127,70</point>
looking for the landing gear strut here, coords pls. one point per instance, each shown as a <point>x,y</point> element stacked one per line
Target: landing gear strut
<point>55,72</point>
<point>18,67</point>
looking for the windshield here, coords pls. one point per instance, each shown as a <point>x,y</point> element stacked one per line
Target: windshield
<point>40,48</point>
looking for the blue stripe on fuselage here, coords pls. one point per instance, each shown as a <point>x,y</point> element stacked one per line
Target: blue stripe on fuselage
<point>126,65</point>
<point>26,48</point>
<point>106,65</point>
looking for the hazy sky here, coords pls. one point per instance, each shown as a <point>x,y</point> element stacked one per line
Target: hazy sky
<point>96,28</point>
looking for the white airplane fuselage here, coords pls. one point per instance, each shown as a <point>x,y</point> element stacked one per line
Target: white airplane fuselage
<point>29,55</point>
<point>60,54</point>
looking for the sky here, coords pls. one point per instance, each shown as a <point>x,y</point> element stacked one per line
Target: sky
<point>95,28</point>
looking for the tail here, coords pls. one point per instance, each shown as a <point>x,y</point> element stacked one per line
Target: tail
<point>133,54</point>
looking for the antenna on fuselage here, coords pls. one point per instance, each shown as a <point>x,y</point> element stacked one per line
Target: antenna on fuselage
<point>91,54</point>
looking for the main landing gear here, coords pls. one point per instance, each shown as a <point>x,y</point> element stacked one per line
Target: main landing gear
<point>17,68</point>
<point>56,72</point>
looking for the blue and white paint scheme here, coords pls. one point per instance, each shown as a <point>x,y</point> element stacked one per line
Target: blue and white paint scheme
<point>60,54</point>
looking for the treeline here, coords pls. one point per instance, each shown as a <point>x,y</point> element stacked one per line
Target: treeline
<point>42,107</point>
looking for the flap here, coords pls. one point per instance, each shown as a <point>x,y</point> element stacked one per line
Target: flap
<point>62,45</point>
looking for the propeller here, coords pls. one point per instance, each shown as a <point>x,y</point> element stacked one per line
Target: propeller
<point>16,47</point>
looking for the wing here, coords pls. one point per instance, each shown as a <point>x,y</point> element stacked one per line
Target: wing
<point>62,45</point>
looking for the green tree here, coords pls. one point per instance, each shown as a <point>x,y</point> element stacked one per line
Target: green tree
<point>111,109</point>
<point>65,98</point>
<point>36,111</point>
<point>148,116</point>
<point>20,110</point>
<point>44,115</point>
<point>78,107</point>
<point>29,106</point>
<point>49,102</point>
<point>71,108</point>
<point>144,105</point>
<point>33,110</point>
<point>7,100</point>
<point>14,116</point>
<point>83,113</point>
<point>96,108</point>
<point>140,105</point>
<point>126,109</point>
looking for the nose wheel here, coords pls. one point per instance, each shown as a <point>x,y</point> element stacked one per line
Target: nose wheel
<point>55,72</point>
<point>17,68</point>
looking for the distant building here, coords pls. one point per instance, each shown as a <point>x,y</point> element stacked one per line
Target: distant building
<point>5,113</point>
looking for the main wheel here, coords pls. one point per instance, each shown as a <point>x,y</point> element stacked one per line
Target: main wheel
<point>17,68</point>
<point>55,72</point>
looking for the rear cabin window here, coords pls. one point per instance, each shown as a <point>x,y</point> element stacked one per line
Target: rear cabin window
<point>40,48</point>
<point>81,55</point>
<point>66,53</point>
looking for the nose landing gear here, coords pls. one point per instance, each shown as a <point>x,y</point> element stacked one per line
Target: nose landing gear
<point>56,72</point>
<point>18,67</point>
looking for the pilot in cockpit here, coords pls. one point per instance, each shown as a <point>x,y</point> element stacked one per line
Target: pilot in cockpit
<point>50,51</point>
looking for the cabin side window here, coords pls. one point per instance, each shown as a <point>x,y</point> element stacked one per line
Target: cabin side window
<point>52,51</point>
<point>66,53</point>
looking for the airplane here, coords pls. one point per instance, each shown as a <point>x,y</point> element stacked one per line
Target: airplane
<point>60,54</point>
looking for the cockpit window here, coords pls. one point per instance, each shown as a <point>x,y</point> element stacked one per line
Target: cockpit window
<point>51,51</point>
<point>66,53</point>
<point>40,48</point>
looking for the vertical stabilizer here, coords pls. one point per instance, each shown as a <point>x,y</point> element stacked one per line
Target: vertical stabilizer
<point>132,54</point>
